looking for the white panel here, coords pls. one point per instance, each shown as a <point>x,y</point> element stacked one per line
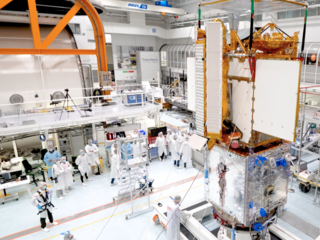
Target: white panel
<point>60,72</point>
<point>197,142</point>
<point>137,18</point>
<point>241,107</point>
<point>241,69</point>
<point>21,73</point>
<point>199,90</point>
<point>108,38</point>
<point>276,97</point>
<point>186,32</point>
<point>148,65</point>
<point>191,71</point>
<point>214,77</point>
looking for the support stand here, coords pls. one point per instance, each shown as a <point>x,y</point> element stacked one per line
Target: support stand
<point>291,190</point>
<point>66,99</point>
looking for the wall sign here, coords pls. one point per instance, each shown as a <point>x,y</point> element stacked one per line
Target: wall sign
<point>42,137</point>
<point>140,6</point>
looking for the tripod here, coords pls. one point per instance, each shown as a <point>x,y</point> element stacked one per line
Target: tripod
<point>66,98</point>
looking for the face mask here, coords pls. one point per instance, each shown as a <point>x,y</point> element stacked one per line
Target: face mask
<point>90,144</point>
<point>82,153</point>
<point>64,161</point>
<point>50,150</point>
<point>58,162</point>
<point>44,187</point>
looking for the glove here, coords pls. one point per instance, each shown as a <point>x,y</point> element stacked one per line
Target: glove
<point>189,214</point>
<point>178,153</point>
<point>39,207</point>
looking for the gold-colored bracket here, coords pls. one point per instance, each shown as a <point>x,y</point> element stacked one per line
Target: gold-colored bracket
<point>238,78</point>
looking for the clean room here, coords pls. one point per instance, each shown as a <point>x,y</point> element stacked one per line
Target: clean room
<point>154,120</point>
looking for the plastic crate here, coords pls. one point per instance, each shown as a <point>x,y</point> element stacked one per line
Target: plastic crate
<point>152,140</point>
<point>153,152</point>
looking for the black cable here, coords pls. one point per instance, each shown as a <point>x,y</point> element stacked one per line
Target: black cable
<point>278,29</point>
<point>262,31</point>
<point>114,210</point>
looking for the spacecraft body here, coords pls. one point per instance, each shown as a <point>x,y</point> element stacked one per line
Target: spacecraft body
<point>247,191</point>
<point>248,110</point>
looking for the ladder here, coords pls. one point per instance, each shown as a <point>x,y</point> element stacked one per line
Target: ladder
<point>130,172</point>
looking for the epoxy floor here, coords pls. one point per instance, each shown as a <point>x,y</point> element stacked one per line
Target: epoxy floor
<point>110,223</point>
<point>20,215</point>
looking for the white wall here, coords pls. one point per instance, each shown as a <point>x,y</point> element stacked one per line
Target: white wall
<point>181,41</point>
<point>292,25</point>
<point>21,73</point>
<point>136,26</point>
<point>296,24</point>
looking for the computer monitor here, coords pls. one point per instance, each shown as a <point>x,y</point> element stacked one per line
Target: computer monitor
<point>15,175</point>
<point>12,175</point>
<point>6,176</point>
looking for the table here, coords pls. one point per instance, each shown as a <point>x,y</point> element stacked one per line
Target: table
<point>14,169</point>
<point>15,184</point>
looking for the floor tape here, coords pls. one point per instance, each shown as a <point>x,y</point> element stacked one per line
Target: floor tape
<point>95,210</point>
<point>300,224</point>
<point>124,211</point>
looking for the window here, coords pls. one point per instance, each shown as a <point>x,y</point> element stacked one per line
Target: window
<point>258,17</point>
<point>282,15</point>
<point>163,58</point>
<point>95,76</point>
<point>294,14</point>
<point>75,28</point>
<point>300,13</point>
<point>311,12</point>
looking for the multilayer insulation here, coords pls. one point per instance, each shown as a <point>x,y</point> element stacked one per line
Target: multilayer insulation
<point>259,181</point>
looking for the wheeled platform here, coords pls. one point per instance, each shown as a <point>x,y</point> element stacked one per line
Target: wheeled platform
<point>9,198</point>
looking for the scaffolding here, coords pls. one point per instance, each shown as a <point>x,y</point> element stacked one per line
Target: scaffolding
<point>309,105</point>
<point>133,178</point>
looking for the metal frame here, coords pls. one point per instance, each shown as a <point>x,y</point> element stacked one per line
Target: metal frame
<point>128,170</point>
<point>304,70</point>
<point>42,47</point>
<point>201,232</point>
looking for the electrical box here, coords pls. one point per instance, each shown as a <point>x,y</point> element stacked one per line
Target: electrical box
<point>148,66</point>
<point>125,74</point>
<point>105,79</point>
